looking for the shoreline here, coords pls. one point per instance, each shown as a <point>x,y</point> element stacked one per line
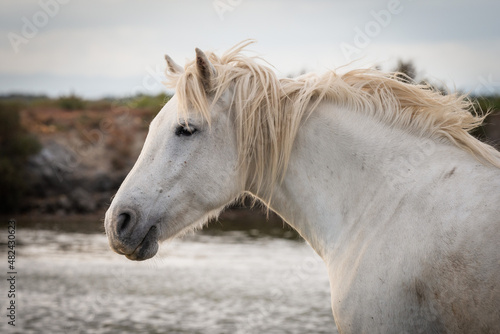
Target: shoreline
<point>252,221</point>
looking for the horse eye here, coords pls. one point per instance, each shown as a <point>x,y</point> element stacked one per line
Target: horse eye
<point>184,130</point>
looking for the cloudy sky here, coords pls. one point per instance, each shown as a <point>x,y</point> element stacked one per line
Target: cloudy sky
<point>115,47</point>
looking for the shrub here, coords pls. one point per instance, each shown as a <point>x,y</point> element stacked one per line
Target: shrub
<point>71,102</point>
<point>151,103</point>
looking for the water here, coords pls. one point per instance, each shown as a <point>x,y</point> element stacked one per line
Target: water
<point>228,283</point>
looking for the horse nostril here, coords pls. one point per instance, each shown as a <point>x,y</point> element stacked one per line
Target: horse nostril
<point>123,222</point>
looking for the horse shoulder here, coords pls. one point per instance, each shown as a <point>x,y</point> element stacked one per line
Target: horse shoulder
<point>458,281</point>
<point>429,261</point>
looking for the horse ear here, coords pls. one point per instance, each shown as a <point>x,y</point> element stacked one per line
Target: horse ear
<point>172,66</point>
<point>206,70</point>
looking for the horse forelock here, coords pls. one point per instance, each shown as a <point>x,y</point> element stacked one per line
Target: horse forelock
<point>269,110</point>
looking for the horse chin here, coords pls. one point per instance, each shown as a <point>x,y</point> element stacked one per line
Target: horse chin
<point>147,248</point>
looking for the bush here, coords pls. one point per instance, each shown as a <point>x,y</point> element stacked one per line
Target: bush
<point>16,145</point>
<point>71,102</point>
<point>151,103</point>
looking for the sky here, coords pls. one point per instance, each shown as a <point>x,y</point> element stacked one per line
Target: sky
<point>115,48</point>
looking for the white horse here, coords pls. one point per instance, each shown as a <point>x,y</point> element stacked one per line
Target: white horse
<point>380,177</point>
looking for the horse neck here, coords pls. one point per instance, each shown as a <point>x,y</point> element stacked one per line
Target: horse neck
<point>345,164</point>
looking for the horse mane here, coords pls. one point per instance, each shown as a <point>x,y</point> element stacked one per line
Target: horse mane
<point>270,110</point>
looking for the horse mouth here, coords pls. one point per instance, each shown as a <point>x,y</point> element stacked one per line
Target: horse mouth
<point>147,248</point>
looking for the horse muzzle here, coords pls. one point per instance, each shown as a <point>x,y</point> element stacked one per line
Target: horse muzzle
<point>127,236</point>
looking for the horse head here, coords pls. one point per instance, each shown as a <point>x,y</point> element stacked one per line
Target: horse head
<point>186,172</point>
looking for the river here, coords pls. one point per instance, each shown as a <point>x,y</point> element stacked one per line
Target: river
<point>230,282</point>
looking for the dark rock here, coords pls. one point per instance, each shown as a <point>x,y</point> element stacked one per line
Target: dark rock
<point>82,201</point>
<point>102,182</point>
<point>50,170</point>
<point>60,183</point>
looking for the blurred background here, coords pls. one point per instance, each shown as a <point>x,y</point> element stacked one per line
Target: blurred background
<point>80,82</point>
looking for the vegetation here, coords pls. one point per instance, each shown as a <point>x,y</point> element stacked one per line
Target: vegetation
<point>16,145</point>
<point>71,102</point>
<point>150,103</point>
<point>23,117</point>
<point>153,103</point>
<point>489,103</point>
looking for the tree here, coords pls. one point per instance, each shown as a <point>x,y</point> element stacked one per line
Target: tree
<point>406,71</point>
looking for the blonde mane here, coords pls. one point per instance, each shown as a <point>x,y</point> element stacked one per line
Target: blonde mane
<point>269,110</point>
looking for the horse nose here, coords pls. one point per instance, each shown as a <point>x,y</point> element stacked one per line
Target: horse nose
<point>123,223</point>
<point>120,226</point>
